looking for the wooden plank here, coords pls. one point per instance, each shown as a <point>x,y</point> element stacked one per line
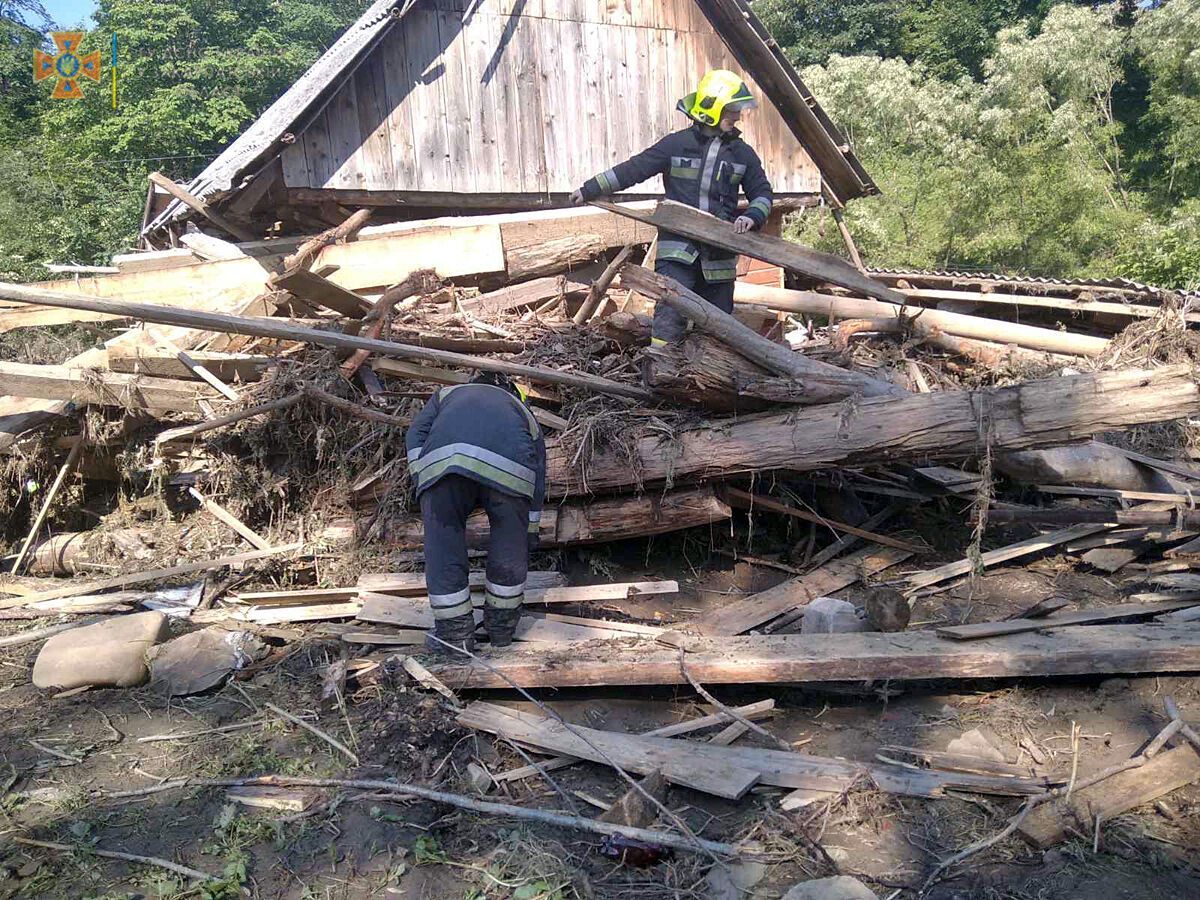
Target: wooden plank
<point>412,584</point>
<point>1062,619</point>
<point>771,659</point>
<point>717,776</point>
<point>377,157</point>
<point>207,247</point>
<point>464,153</point>
<point>415,612</point>
<point>163,363</point>
<point>480,87</point>
<point>130,263</point>
<point>77,588</point>
<point>1048,824</point>
<point>320,290</point>
<point>222,514</point>
<point>395,126</point>
<point>86,386</point>
<point>425,68</point>
<point>1072,491</point>
<point>310,595</point>
<point>752,711</point>
<point>518,36</point>
<point>742,615</point>
<point>190,200</point>
<point>345,138</point>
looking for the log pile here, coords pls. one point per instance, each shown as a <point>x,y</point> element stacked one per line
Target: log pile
<point>241,428</point>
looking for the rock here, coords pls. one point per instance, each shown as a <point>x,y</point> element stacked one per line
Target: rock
<point>202,659</point>
<point>481,782</point>
<point>734,881</point>
<point>887,610</point>
<point>111,653</point>
<point>828,616</point>
<point>841,887</point>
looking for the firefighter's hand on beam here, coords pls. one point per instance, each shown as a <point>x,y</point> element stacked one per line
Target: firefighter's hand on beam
<point>742,224</point>
<point>577,197</point>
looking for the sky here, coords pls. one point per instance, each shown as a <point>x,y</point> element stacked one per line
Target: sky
<point>68,13</point>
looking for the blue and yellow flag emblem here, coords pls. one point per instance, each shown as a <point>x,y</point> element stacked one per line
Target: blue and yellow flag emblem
<point>67,65</point>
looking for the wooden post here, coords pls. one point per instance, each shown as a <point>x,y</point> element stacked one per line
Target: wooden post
<point>596,293</point>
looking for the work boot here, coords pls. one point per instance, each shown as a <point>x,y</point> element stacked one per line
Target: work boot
<point>458,632</point>
<point>500,625</point>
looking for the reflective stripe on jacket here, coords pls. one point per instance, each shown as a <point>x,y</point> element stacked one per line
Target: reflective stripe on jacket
<point>484,433</point>
<point>705,170</point>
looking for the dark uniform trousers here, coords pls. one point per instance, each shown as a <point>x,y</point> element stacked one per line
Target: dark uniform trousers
<point>445,507</point>
<point>669,324</point>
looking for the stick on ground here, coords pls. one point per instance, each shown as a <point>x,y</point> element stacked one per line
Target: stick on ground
<point>114,854</point>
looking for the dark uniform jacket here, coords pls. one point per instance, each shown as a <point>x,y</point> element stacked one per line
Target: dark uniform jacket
<point>484,433</point>
<point>704,170</point>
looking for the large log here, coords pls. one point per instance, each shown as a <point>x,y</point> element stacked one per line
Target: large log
<point>875,656</point>
<point>881,429</point>
<point>771,356</point>
<point>691,222</point>
<point>815,304</point>
<point>701,370</point>
<point>597,522</point>
<point>287,332</point>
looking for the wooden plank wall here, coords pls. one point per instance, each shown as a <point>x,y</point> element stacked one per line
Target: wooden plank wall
<point>530,103</point>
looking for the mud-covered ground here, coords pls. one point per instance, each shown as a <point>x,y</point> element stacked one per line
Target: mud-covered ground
<point>58,757</point>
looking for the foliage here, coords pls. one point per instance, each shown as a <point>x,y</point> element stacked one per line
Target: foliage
<point>193,74</point>
<point>1049,162</point>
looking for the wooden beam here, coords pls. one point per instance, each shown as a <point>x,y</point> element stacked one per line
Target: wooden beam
<point>1062,619</point>
<point>809,303</point>
<point>943,424</point>
<point>678,218</point>
<point>1065,304</point>
<point>412,584</point>
<point>314,288</point>
<point>208,247</point>
<point>738,616</point>
<point>282,331</point>
<point>94,386</point>
<point>190,200</point>
<point>186,431</point>
<point>903,656</point>
<point>67,467</point>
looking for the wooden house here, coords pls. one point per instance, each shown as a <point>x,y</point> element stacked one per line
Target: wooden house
<point>433,107</point>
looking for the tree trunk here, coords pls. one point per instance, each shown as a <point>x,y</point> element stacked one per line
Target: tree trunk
<point>1088,465</point>
<point>877,430</point>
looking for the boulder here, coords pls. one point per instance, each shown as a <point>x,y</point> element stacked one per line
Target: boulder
<point>111,653</point>
<point>840,887</point>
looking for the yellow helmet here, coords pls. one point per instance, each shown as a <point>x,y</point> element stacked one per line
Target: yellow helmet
<point>719,91</point>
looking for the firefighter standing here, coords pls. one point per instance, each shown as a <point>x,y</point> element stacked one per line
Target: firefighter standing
<point>477,445</point>
<point>703,166</point>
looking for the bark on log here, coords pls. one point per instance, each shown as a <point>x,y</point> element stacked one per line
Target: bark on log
<point>703,371</point>
<point>304,256</point>
<point>600,521</point>
<point>771,356</point>
<point>286,332</point>
<point>984,353</point>
<point>814,304</point>
<point>627,329</point>
<point>1078,516</point>
<point>944,424</point>
<point>1089,465</point>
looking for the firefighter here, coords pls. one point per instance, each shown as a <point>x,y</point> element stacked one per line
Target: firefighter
<point>703,166</point>
<point>477,445</point>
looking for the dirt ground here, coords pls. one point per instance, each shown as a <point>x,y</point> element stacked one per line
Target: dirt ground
<point>57,756</point>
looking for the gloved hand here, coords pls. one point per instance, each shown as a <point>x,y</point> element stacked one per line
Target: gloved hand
<point>742,224</point>
<point>577,197</point>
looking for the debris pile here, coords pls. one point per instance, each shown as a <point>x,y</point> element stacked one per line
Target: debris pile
<point>235,464</point>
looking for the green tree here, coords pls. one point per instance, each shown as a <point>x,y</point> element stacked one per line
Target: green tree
<point>811,31</point>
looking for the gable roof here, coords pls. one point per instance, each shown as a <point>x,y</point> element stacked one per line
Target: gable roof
<point>733,20</point>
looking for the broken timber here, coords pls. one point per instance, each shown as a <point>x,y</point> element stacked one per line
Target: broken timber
<point>1060,620</point>
<point>261,327</point>
<point>101,388</point>
<point>1079,650</point>
<point>942,424</point>
<point>722,771</point>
